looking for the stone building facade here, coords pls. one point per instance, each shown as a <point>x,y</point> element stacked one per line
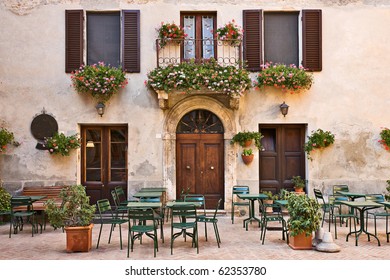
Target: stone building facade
<point>348,97</point>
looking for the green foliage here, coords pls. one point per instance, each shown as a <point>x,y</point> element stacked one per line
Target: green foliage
<point>170,31</point>
<point>61,144</point>
<point>6,137</point>
<point>288,78</point>
<point>318,139</point>
<point>5,199</point>
<point>385,138</point>
<point>189,76</point>
<point>387,195</point>
<point>270,195</point>
<point>247,152</point>
<point>298,182</point>
<point>74,211</point>
<point>284,194</point>
<point>242,137</point>
<point>304,215</point>
<point>100,80</point>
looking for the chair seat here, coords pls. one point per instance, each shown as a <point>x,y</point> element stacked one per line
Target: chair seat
<point>207,220</point>
<point>142,228</point>
<point>183,225</point>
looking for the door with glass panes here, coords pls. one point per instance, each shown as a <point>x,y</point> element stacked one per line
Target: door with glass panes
<point>104,160</point>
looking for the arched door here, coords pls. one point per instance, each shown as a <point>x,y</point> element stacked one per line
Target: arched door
<point>200,156</point>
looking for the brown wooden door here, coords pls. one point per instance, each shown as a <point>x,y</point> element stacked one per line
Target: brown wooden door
<point>200,166</point>
<point>282,156</point>
<point>104,166</point>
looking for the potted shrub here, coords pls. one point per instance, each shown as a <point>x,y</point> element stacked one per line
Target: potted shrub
<point>317,140</point>
<point>5,202</point>
<point>246,138</point>
<point>75,215</point>
<point>285,77</point>
<point>298,183</point>
<point>247,156</point>
<point>304,219</point>
<point>61,144</point>
<point>387,194</point>
<point>270,200</point>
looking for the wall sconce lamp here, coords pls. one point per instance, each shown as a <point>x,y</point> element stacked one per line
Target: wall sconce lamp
<point>100,108</point>
<point>284,109</point>
<point>90,144</point>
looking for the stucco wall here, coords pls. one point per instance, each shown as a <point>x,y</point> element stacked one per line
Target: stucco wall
<point>349,96</point>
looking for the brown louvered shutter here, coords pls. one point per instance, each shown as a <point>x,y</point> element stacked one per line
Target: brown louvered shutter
<point>252,39</point>
<point>131,41</point>
<point>312,39</point>
<point>73,39</point>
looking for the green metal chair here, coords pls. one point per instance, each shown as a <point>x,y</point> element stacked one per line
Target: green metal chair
<point>347,215</point>
<point>325,205</point>
<point>275,216</point>
<point>239,189</point>
<point>184,218</point>
<point>213,220</point>
<point>144,222</point>
<point>121,196</point>
<point>385,213</point>
<point>158,214</point>
<point>200,199</point>
<point>107,216</point>
<point>22,208</point>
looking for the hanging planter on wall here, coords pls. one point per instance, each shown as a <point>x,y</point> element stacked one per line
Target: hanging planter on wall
<point>100,81</point>
<point>247,156</point>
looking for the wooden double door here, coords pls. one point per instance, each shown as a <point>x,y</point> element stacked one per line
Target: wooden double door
<point>282,156</point>
<point>104,160</point>
<point>200,166</point>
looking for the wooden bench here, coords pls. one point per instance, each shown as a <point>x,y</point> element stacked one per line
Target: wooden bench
<point>51,192</point>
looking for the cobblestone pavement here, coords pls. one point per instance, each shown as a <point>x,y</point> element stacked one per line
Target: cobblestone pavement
<point>237,244</point>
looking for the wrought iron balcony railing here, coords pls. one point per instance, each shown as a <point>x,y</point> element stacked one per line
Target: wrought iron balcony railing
<point>225,52</point>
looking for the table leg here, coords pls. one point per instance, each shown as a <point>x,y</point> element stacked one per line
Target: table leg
<point>362,229</point>
<point>251,215</point>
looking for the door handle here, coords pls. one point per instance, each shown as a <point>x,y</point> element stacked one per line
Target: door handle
<point>102,185</point>
<point>212,167</point>
<point>188,167</point>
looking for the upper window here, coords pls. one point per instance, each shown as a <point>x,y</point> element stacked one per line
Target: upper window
<point>112,37</point>
<point>199,43</point>
<point>274,36</point>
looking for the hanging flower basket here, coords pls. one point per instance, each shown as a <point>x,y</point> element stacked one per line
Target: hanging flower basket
<point>99,80</point>
<point>61,144</point>
<point>385,138</point>
<point>170,32</point>
<point>317,140</point>
<point>230,33</point>
<point>287,78</point>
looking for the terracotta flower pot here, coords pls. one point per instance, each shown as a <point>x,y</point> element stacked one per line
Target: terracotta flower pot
<point>301,242</point>
<point>247,159</point>
<point>79,239</point>
<point>248,143</point>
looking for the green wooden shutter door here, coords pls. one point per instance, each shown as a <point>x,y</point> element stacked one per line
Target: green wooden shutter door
<point>253,39</point>
<point>73,39</point>
<point>131,41</point>
<point>312,39</point>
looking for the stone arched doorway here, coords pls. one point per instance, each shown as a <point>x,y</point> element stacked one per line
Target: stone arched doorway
<point>173,117</point>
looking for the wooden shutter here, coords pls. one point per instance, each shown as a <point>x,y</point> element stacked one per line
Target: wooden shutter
<point>73,39</point>
<point>312,39</point>
<point>253,39</point>
<point>131,41</point>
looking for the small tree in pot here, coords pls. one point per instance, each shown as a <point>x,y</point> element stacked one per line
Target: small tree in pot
<point>75,215</point>
<point>305,218</point>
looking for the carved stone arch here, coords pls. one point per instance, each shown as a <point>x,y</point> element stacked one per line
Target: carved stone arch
<point>169,139</point>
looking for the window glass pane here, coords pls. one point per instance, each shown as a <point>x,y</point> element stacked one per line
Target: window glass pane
<point>119,174</point>
<point>189,29</point>
<point>207,36</point>
<point>118,154</point>
<point>281,38</point>
<point>118,135</point>
<point>93,162</point>
<point>103,38</point>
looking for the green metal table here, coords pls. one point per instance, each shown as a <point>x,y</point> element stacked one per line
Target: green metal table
<point>352,196</point>
<point>252,198</point>
<point>362,206</point>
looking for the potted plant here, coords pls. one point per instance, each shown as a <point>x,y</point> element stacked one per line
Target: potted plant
<point>169,32</point>
<point>230,33</point>
<point>61,144</point>
<point>246,138</point>
<point>298,183</point>
<point>285,77</point>
<point>269,200</point>
<point>304,219</point>
<point>6,137</point>
<point>247,156</point>
<point>75,215</point>
<point>101,81</point>
<point>387,194</point>
<point>385,138</point>
<point>317,140</point>
<point>5,202</point>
